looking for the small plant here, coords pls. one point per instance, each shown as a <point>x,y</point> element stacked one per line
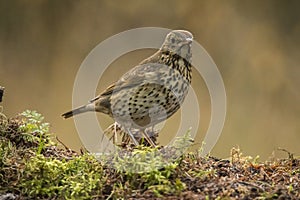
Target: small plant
<point>181,144</point>
<point>34,131</point>
<point>202,174</point>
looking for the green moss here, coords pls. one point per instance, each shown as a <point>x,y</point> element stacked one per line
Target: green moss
<point>32,166</point>
<point>70,179</point>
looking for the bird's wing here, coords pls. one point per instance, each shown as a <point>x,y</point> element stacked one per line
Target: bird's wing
<point>141,74</point>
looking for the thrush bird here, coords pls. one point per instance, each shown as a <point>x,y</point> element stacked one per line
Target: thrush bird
<point>152,91</point>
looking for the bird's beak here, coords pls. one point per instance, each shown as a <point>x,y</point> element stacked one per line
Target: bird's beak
<point>188,41</point>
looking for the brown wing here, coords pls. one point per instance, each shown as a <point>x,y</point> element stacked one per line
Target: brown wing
<point>137,76</point>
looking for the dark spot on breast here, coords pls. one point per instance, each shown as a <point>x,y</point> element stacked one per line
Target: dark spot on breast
<point>182,87</point>
<point>176,85</point>
<point>168,80</point>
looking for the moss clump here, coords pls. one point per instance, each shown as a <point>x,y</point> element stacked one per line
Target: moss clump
<point>32,166</point>
<point>81,177</point>
<point>147,169</point>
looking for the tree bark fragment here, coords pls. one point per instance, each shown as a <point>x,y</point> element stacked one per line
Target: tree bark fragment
<point>1,93</point>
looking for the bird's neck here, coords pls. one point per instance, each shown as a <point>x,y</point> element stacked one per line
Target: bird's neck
<point>173,60</point>
<point>176,62</point>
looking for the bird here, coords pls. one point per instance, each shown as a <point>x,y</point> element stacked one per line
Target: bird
<point>150,92</point>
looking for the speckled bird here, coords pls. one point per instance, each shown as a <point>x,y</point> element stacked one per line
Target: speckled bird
<point>152,91</point>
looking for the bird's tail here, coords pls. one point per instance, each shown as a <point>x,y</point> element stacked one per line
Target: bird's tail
<point>77,111</point>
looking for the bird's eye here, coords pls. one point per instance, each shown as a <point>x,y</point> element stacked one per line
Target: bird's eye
<point>173,40</point>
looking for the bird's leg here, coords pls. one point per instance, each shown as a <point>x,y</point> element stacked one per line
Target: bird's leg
<point>152,129</point>
<point>132,137</point>
<point>149,140</point>
<point>115,139</point>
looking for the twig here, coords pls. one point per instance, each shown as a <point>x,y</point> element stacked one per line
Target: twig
<point>251,184</point>
<point>67,148</point>
<point>1,93</point>
<point>291,155</point>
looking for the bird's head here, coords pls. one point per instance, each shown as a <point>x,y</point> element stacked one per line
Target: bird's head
<point>180,43</point>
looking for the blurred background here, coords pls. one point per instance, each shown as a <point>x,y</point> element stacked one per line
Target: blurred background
<point>255,44</point>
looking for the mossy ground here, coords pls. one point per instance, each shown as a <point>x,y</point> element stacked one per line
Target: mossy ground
<point>32,166</point>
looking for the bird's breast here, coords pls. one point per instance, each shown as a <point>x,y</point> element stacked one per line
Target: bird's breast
<point>150,102</point>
